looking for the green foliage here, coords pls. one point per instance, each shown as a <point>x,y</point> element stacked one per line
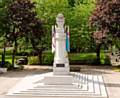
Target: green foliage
<point>48,58</point>
<point>71,3</point>
<point>88,58</point>
<point>25,25</point>
<point>116,42</point>
<point>29,28</point>
<point>4,22</point>
<point>47,10</point>
<point>74,58</point>
<point>7,65</point>
<point>76,17</point>
<point>80,32</point>
<point>104,59</point>
<point>82,58</point>
<point>33,60</point>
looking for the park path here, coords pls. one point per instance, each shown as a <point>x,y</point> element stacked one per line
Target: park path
<point>111,78</point>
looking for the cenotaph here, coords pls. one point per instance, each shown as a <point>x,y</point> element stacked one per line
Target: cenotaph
<point>61,68</point>
<point>61,82</point>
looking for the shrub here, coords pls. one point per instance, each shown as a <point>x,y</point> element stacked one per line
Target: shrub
<point>7,65</point>
<point>48,58</point>
<point>33,60</point>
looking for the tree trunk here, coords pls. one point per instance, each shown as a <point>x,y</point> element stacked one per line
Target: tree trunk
<point>98,53</point>
<point>40,56</point>
<point>39,51</point>
<point>13,57</point>
<point>14,51</point>
<point>3,55</point>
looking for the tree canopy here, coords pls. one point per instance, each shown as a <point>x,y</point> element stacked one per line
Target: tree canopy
<point>106,16</point>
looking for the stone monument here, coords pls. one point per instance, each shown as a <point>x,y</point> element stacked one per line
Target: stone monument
<point>61,68</point>
<point>61,82</point>
<point>61,63</point>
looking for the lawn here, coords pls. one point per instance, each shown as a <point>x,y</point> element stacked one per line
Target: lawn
<point>74,58</point>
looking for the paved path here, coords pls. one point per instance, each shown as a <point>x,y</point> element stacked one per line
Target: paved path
<point>111,78</point>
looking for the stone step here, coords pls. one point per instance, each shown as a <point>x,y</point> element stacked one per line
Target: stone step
<point>55,89</point>
<point>56,86</point>
<point>79,95</point>
<point>64,90</point>
<point>86,86</point>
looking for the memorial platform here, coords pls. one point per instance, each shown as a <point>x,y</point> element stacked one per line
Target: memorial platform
<point>84,86</point>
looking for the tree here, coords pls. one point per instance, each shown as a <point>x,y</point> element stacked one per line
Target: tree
<point>71,3</point>
<point>99,38</point>
<point>47,10</point>
<point>4,26</point>
<point>80,32</point>
<point>76,16</point>
<point>106,18</point>
<point>24,23</point>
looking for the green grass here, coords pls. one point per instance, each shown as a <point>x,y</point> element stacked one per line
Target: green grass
<point>80,56</point>
<point>88,58</point>
<point>9,58</point>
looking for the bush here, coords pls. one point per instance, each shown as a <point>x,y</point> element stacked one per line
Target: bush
<point>107,60</point>
<point>33,60</point>
<point>48,58</point>
<point>7,65</point>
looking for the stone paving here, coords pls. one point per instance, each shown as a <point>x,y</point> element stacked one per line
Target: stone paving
<point>83,86</point>
<point>111,78</point>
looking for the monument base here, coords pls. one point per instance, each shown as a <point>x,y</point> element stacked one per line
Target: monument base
<point>61,68</point>
<point>58,80</point>
<point>84,86</point>
<point>61,71</point>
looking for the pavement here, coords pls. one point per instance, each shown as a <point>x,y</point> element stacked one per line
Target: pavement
<point>111,78</point>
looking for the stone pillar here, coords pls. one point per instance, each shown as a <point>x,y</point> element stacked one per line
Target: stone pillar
<point>61,74</point>
<point>61,63</point>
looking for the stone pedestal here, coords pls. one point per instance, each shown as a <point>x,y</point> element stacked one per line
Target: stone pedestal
<point>61,63</point>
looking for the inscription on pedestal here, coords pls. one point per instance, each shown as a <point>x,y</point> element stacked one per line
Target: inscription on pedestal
<point>60,65</point>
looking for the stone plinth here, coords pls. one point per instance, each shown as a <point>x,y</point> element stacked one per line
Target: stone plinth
<point>58,80</point>
<point>61,70</point>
